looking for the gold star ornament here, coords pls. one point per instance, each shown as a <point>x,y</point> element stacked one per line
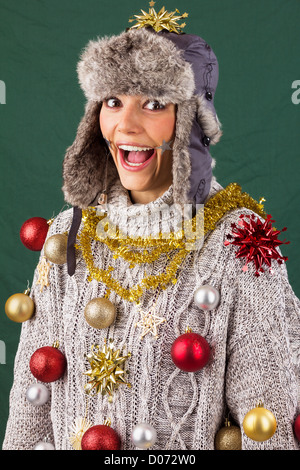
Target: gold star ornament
<point>149,323</point>
<point>106,371</point>
<point>159,21</point>
<point>80,426</point>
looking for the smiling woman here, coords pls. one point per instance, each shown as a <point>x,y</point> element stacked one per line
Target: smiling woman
<point>163,336</point>
<point>136,128</point>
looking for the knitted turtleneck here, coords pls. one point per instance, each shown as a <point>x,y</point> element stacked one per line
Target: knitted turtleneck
<point>141,219</point>
<point>160,215</point>
<point>253,335</point>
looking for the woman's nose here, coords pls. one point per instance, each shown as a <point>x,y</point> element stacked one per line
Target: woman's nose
<point>129,120</point>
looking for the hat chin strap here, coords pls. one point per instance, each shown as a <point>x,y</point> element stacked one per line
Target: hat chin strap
<point>107,142</point>
<point>71,254</point>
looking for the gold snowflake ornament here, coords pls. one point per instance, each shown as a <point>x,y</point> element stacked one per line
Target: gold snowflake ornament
<point>80,426</point>
<point>43,269</point>
<point>159,21</point>
<point>149,322</point>
<point>106,371</point>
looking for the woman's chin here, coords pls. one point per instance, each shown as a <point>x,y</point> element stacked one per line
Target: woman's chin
<point>135,186</point>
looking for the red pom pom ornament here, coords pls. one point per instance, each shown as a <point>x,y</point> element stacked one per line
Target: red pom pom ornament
<point>100,437</point>
<point>48,364</point>
<point>33,233</point>
<point>190,352</point>
<point>257,242</point>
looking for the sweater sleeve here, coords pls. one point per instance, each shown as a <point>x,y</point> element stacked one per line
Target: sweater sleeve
<point>263,353</point>
<point>28,424</point>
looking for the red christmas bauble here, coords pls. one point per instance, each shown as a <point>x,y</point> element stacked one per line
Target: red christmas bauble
<point>297,427</point>
<point>33,233</point>
<point>190,352</point>
<point>100,437</point>
<point>47,364</point>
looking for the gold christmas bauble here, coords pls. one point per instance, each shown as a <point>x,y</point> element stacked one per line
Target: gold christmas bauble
<point>19,307</point>
<point>100,313</point>
<point>259,424</point>
<point>228,437</point>
<point>55,248</point>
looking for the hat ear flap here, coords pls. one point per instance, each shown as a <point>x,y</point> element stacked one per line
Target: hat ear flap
<point>181,157</point>
<point>85,161</point>
<point>192,162</point>
<point>208,120</point>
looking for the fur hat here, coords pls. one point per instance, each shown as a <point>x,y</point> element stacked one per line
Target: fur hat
<point>172,68</point>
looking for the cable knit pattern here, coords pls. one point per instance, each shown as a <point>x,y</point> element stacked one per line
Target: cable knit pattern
<point>254,336</point>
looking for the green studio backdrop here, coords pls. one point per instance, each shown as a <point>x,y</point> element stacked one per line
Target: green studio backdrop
<point>257,100</point>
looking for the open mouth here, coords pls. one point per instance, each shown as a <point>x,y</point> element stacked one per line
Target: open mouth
<point>134,158</point>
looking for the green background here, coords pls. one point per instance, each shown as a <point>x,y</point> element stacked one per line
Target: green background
<point>257,45</point>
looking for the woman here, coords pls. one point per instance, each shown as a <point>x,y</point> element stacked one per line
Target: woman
<point>135,122</point>
<point>140,170</point>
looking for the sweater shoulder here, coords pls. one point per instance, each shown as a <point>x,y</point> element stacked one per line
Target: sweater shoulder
<point>225,212</point>
<point>61,223</point>
<point>224,209</point>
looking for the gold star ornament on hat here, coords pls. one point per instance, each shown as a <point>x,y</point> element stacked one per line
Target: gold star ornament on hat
<point>159,21</point>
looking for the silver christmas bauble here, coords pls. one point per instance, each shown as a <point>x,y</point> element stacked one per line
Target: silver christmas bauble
<point>207,297</point>
<point>143,436</point>
<point>44,445</point>
<point>37,394</point>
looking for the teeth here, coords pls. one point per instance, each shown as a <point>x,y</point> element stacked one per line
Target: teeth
<point>135,149</point>
<point>133,164</point>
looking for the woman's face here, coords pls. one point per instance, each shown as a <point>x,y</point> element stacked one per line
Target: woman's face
<point>136,127</point>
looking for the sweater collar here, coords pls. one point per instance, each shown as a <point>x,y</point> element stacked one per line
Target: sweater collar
<point>141,220</point>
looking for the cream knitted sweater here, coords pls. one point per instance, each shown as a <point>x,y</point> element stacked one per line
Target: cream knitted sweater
<point>253,333</point>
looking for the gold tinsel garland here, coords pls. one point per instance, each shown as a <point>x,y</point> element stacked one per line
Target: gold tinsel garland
<point>152,247</point>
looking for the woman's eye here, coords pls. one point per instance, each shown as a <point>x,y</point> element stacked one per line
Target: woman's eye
<point>112,102</point>
<point>154,105</point>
